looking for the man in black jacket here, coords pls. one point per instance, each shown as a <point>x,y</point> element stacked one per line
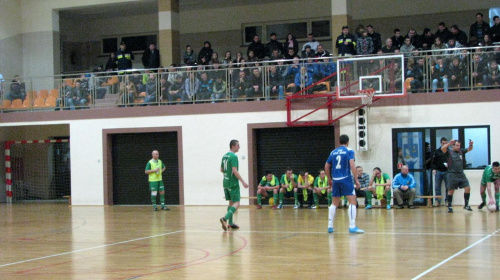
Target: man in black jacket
<point>259,50</point>
<point>151,57</point>
<point>346,43</point>
<point>439,170</point>
<point>274,44</point>
<point>124,58</point>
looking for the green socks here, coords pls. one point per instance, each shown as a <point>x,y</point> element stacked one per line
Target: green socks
<point>153,200</point>
<point>296,196</point>
<point>329,199</point>
<point>259,199</point>
<point>497,198</point>
<point>229,214</point>
<point>388,197</point>
<point>368,197</point>
<point>162,200</point>
<point>275,197</point>
<point>282,196</point>
<point>316,199</point>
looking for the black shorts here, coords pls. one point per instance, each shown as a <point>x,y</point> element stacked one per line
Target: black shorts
<point>457,181</point>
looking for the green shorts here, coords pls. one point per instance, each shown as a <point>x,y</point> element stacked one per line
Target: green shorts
<point>232,194</point>
<point>156,186</point>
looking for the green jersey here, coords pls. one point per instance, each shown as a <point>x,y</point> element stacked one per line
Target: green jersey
<point>489,176</point>
<point>284,181</point>
<point>152,165</point>
<point>229,160</point>
<point>273,183</point>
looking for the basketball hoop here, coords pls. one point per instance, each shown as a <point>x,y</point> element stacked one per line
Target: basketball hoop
<point>367,95</point>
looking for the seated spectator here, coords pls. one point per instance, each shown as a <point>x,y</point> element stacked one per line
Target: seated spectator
<point>415,39</point>
<point>308,52</point>
<point>77,96</point>
<point>329,67</point>
<point>453,46</point>
<point>206,87</point>
<point>240,67</point>
<point>311,42</point>
<point>257,47</point>
<point>290,54</point>
<point>275,55</point>
<point>321,188</point>
<point>131,94</point>
<point>305,185</point>
<point>241,85</point>
<point>376,38</point>
<point>273,45</point>
<point>176,90</point>
<point>111,63</point>
<point>219,89</point>
<point>171,75</point>
<point>495,30</point>
<point>397,39</point>
<point>380,187</point>
<point>136,79</point>
<point>228,60</point>
<point>439,74</point>
<point>291,42</point>
<point>487,42</point>
<point>437,49</point>
<point>418,73</point>
<point>479,28</point>
<point>191,85</point>
<point>269,186</point>
<point>458,35</point>
<point>407,48</point>
<point>275,84</point>
<point>364,181</point>
<point>443,32</point>
<point>189,57</point>
<point>479,69</point>
<point>292,70</point>
<point>364,44</point>
<point>17,89</point>
<point>205,53</point>
<point>257,83</point>
<point>238,58</point>
<point>404,187</point>
<point>151,90</point>
<point>215,71</point>
<point>492,76</point>
<point>251,57</point>
<point>393,78</point>
<point>389,47</point>
<point>214,58</point>
<point>457,74</point>
<point>321,52</point>
<point>427,39</point>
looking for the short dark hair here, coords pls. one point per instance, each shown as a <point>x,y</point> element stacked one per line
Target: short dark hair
<point>495,164</point>
<point>442,24</point>
<point>479,14</point>
<point>344,139</point>
<point>397,30</point>
<point>345,27</point>
<point>443,139</point>
<point>233,143</point>
<point>495,17</point>
<point>369,25</point>
<point>268,172</point>
<point>377,168</point>
<point>289,168</point>
<point>454,26</point>
<point>310,34</point>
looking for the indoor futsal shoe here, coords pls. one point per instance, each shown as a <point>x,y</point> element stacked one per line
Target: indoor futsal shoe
<point>155,209</point>
<point>224,223</point>
<point>468,208</point>
<point>481,205</point>
<point>234,226</point>
<point>280,206</point>
<point>356,230</point>
<point>450,210</point>
<point>330,230</point>
<point>165,208</point>
<point>368,207</point>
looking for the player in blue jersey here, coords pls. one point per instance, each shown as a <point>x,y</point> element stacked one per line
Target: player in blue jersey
<point>338,168</point>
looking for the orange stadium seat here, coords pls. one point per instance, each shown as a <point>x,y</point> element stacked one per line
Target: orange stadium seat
<point>39,102</point>
<point>17,104</point>
<point>27,103</point>
<point>6,104</point>
<point>54,92</point>
<point>50,101</point>
<point>43,93</point>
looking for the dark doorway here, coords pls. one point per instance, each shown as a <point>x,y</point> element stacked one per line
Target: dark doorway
<point>130,154</point>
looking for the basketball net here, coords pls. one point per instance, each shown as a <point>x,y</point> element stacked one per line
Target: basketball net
<point>366,95</point>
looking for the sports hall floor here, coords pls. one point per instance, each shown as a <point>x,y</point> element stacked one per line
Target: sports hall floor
<point>57,241</point>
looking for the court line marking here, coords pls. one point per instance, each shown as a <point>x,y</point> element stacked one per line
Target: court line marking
<point>455,255</point>
<point>91,248</point>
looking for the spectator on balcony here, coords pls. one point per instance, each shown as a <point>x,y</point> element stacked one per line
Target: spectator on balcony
<point>492,76</point>
<point>453,46</point>
<point>364,44</point>
<point>457,74</point>
<point>346,43</point>
<point>189,57</point>
<point>397,39</point>
<point>291,42</point>
<point>206,87</point>
<point>131,94</point>
<point>151,90</point>
<point>275,85</point>
<point>238,58</point>
<point>290,54</point>
<point>257,47</point>
<point>274,44</point>
<point>376,38</point>
<point>241,66</point>
<point>256,81</point>
<point>77,96</point>
<point>459,35</point>
<point>389,47</point>
<point>205,53</point>
<point>437,49</point>
<point>418,73</point>
<point>17,89</point>
<point>251,57</point>
<point>479,69</point>
<point>311,42</point>
<point>228,60</point>
<point>407,48</point>
<point>495,29</point>
<point>241,85</point>
<point>292,70</point>
<point>479,28</point>
<point>427,39</point>
<point>219,89</point>
<point>321,52</point>
<point>308,52</point>
<point>151,57</point>
<point>439,74</point>
<point>176,90</point>
<point>443,32</point>
<point>191,85</point>
<point>111,63</point>
<point>275,55</point>
<point>1,85</point>
<point>124,58</point>
<point>214,58</point>
<point>415,39</point>
<point>487,42</point>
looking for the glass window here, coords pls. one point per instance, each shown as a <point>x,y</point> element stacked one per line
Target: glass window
<point>321,28</point>
<point>109,45</point>
<point>299,29</point>
<point>478,157</point>
<point>251,31</point>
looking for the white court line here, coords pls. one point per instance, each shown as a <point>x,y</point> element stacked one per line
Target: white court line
<point>455,255</point>
<point>88,249</point>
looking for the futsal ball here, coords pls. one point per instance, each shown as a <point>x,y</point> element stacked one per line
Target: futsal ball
<point>492,207</point>
<point>271,201</point>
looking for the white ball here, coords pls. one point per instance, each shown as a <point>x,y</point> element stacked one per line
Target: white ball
<point>492,207</point>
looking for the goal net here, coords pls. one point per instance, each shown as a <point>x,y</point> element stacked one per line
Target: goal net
<point>37,170</point>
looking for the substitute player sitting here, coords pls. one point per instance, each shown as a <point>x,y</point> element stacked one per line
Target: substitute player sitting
<point>491,174</point>
<point>288,187</point>
<point>269,185</point>
<point>321,187</point>
<point>380,186</point>
<point>306,186</point>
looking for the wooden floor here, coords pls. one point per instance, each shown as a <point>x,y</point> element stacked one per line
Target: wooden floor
<point>56,241</point>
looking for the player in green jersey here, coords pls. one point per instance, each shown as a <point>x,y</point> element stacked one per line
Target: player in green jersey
<point>269,185</point>
<point>321,187</point>
<point>229,167</point>
<point>491,174</point>
<point>288,188</point>
<point>154,169</point>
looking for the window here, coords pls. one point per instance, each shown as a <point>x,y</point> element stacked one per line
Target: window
<point>109,45</point>
<point>134,43</point>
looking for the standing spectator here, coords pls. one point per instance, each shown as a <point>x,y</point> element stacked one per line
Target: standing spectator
<point>189,56</point>
<point>404,187</point>
<point>376,38</point>
<point>437,49</point>
<point>346,43</point>
<point>495,30</point>
<point>257,47</point>
<point>479,69</point>
<point>364,44</point>
<point>397,39</point>
<point>214,58</point>
<point>389,47</point>
<point>17,89</point>
<point>111,63</point>
<point>274,44</point>
<point>238,58</point>
<point>439,170</point>
<point>458,35</point>
<point>427,39</point>
<point>205,53</point>
<point>124,58</point>
<point>311,42</point>
<point>479,28</point>
<point>151,57</point>
<point>443,32</point>
<point>291,42</point>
